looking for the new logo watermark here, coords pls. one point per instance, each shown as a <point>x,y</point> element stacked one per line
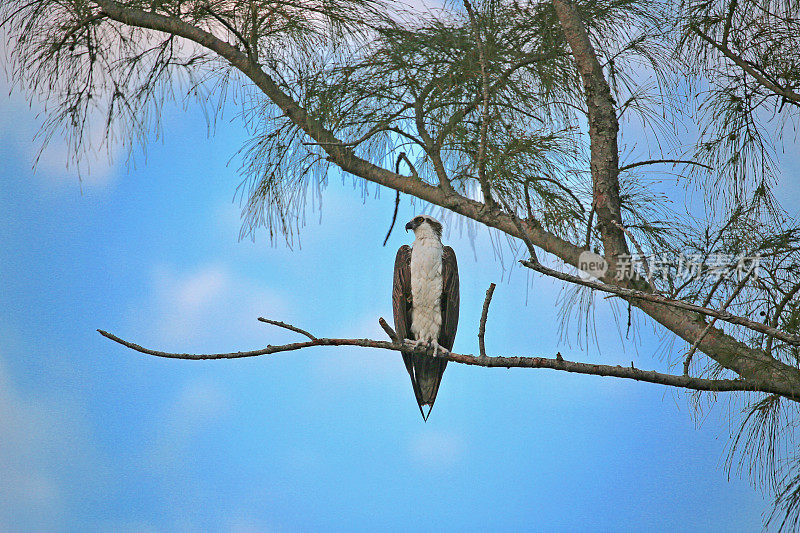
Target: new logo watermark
<point>592,265</point>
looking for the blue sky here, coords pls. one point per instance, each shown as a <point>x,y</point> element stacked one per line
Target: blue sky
<point>97,437</point>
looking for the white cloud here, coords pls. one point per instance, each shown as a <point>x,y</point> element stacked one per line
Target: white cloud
<point>201,289</point>
<point>209,302</point>
<point>436,449</point>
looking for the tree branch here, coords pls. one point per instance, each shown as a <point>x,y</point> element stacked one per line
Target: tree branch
<point>394,217</point>
<point>603,128</point>
<point>659,299</point>
<point>558,363</point>
<point>749,68</point>
<point>728,21</point>
<point>640,252</point>
<point>560,186</point>
<point>729,352</point>
<point>520,231</point>
<point>233,30</point>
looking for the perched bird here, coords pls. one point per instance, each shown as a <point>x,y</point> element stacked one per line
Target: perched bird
<point>425,304</point>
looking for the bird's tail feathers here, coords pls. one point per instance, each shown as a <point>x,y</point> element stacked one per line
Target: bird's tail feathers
<point>426,376</point>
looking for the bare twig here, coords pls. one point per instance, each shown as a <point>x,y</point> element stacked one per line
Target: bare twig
<point>394,217</point>
<point>72,31</point>
<point>558,363</point>
<point>411,166</point>
<point>388,329</point>
<point>290,327</point>
<point>233,30</point>
<point>484,314</point>
<point>401,157</point>
<point>660,299</point>
<point>657,161</point>
<point>431,147</point>
<point>712,290</point>
<point>378,128</point>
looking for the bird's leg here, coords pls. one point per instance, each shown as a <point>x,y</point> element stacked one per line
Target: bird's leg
<point>436,348</point>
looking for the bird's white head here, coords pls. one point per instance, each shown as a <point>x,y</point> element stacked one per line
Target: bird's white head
<point>425,227</point>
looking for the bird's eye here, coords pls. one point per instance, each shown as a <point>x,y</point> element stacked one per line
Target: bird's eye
<point>418,220</point>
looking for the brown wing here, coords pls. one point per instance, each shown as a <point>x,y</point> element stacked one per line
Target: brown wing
<point>401,303</point>
<point>450,298</point>
<point>401,292</point>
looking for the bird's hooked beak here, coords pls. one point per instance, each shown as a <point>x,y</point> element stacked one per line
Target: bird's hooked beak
<point>410,225</point>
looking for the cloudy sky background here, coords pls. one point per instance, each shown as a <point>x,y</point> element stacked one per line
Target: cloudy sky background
<point>96,437</point>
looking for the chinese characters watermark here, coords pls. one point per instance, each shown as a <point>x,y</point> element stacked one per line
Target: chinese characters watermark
<point>684,267</point>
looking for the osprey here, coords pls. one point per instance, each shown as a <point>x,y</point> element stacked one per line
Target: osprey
<point>425,305</point>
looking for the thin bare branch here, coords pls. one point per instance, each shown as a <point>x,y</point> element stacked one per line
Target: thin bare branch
<point>231,29</point>
<point>667,161</point>
<point>394,217</point>
<point>558,363</point>
<point>589,227</point>
<point>788,94</point>
<point>287,326</point>
<point>484,315</point>
<point>563,188</point>
<point>411,166</point>
<point>728,20</point>
<point>388,329</point>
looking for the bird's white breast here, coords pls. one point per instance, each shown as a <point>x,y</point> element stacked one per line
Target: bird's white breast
<point>426,289</point>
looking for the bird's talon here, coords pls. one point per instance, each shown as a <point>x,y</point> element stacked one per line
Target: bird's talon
<point>437,348</point>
